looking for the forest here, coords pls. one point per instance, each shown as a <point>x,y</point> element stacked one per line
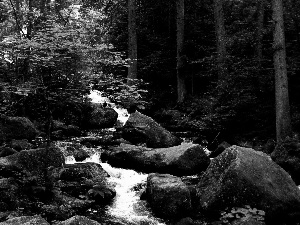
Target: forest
<point>207,65</point>
<point>209,89</point>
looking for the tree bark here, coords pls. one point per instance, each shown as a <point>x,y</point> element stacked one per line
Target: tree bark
<point>259,32</point>
<point>181,58</point>
<point>132,41</point>
<point>283,119</point>
<point>221,39</point>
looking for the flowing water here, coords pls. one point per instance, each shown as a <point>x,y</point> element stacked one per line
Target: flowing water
<point>126,208</point>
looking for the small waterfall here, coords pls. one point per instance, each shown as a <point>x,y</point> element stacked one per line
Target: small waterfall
<point>97,97</point>
<point>126,208</point>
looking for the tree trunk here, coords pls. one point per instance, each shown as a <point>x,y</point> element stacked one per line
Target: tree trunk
<point>181,58</point>
<point>132,41</point>
<point>259,31</point>
<point>283,120</point>
<point>221,39</point>
<point>30,19</point>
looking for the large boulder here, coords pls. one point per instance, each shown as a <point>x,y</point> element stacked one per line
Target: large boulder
<point>86,179</point>
<point>79,220</point>
<point>143,129</point>
<point>168,196</point>
<point>101,117</point>
<point>241,176</point>
<point>26,220</point>
<point>34,160</point>
<point>184,159</point>
<point>287,155</point>
<point>16,128</point>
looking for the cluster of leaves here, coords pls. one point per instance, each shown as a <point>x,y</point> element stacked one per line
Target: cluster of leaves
<point>117,89</point>
<point>239,213</point>
<point>64,55</point>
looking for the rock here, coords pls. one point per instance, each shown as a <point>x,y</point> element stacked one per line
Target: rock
<point>75,172</point>
<point>168,196</point>
<point>269,147</point>
<point>9,194</point>
<point>247,221</point>
<point>20,144</point>
<point>188,221</point>
<point>61,130</point>
<point>16,128</point>
<point>86,179</point>
<point>184,159</point>
<point>101,194</point>
<point>35,160</point>
<point>221,147</point>
<point>101,117</point>
<point>26,220</point>
<point>6,151</point>
<point>242,176</point>
<point>287,155</point>
<point>80,155</point>
<point>143,129</point>
<point>72,131</point>
<point>79,220</point>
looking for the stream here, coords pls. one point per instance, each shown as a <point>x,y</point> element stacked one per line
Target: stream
<point>126,208</point>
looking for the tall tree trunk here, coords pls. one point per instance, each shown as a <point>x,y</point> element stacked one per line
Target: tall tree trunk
<point>283,120</point>
<point>181,58</point>
<point>259,32</point>
<point>221,39</point>
<point>132,41</point>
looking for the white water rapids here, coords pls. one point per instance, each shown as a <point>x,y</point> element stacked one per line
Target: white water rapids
<point>126,208</point>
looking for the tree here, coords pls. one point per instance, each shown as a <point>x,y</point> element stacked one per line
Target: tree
<point>283,119</point>
<point>132,41</point>
<point>181,57</point>
<point>221,38</point>
<point>259,31</point>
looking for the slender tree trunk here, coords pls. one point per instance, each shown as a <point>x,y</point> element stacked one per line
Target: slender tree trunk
<point>221,39</point>
<point>30,19</point>
<point>132,41</point>
<point>181,58</point>
<point>283,120</point>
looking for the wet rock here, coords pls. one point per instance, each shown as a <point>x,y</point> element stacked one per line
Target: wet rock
<point>75,172</point>
<point>168,196</point>
<point>101,117</point>
<point>16,128</point>
<point>101,194</point>
<point>287,155</point>
<point>80,155</point>
<point>6,151</point>
<point>64,206</point>
<point>26,220</point>
<point>20,144</point>
<point>87,180</point>
<point>79,220</point>
<point>184,159</point>
<point>140,128</point>
<point>221,147</point>
<point>242,176</point>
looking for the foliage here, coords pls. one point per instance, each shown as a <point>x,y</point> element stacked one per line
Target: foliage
<point>238,213</point>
